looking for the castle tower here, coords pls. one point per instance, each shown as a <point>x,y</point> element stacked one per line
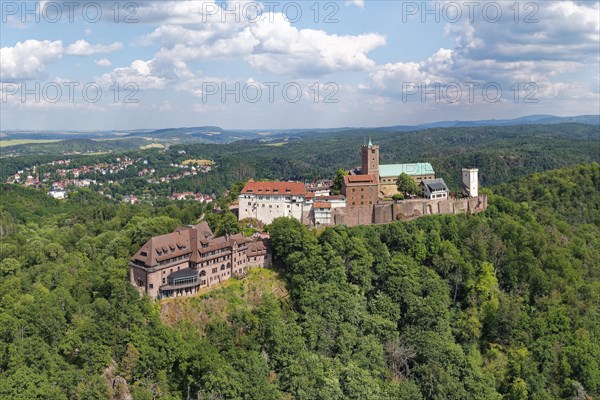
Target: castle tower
<point>470,182</point>
<point>370,160</point>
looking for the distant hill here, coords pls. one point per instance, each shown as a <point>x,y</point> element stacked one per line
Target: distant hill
<point>74,146</point>
<point>215,134</point>
<point>526,120</point>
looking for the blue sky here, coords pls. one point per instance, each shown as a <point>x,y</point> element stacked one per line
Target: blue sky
<point>297,64</point>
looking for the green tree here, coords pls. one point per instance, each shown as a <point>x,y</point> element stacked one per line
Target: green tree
<point>407,185</point>
<point>339,180</point>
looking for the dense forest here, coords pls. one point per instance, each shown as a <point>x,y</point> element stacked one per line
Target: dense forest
<point>504,304</point>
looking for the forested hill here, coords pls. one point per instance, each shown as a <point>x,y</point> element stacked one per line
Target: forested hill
<point>504,304</point>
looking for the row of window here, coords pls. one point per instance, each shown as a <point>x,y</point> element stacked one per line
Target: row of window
<point>362,203</point>
<point>275,198</point>
<point>172,260</point>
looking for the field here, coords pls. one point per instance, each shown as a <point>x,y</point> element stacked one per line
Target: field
<point>153,146</point>
<point>198,162</point>
<point>15,142</point>
<point>276,144</point>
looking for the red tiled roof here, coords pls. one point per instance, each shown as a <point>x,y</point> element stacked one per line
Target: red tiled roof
<point>359,179</point>
<point>292,188</point>
<point>322,204</point>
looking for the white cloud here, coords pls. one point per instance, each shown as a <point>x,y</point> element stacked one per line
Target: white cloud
<point>141,73</point>
<point>285,50</point>
<point>103,62</point>
<point>27,60</point>
<point>357,3</point>
<point>565,39</point>
<point>270,45</point>
<point>83,48</point>
<point>188,44</point>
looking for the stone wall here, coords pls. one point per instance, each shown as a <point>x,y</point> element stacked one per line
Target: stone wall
<point>352,216</point>
<point>386,212</point>
<point>383,213</point>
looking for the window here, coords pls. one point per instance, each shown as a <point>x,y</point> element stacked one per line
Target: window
<point>184,281</point>
<point>151,286</point>
<point>140,282</point>
<point>214,270</point>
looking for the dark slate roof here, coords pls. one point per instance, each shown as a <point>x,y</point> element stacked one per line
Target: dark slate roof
<point>434,184</point>
<point>183,273</point>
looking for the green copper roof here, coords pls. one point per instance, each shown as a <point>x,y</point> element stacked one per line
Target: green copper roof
<point>409,169</point>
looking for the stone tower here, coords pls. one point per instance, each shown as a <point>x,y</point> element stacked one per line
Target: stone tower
<point>370,160</point>
<point>470,182</point>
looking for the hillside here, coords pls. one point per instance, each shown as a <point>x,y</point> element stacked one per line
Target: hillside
<point>501,153</point>
<point>501,304</point>
<point>74,146</point>
<point>218,304</point>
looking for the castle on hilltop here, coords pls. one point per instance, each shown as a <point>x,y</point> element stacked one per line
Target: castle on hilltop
<point>191,258</point>
<point>365,196</point>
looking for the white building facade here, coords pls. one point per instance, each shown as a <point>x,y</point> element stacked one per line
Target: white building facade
<point>470,182</point>
<point>266,201</point>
